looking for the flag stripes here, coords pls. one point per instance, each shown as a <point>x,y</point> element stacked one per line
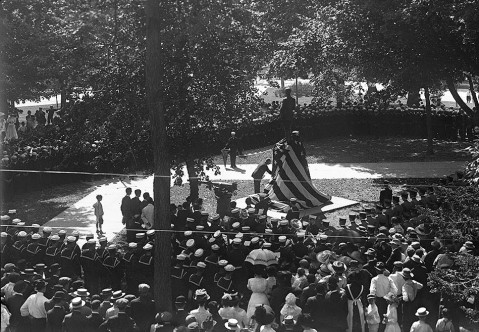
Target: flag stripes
<point>291,178</point>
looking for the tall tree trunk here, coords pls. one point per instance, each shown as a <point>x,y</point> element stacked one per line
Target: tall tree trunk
<point>194,185</point>
<point>457,98</point>
<point>282,83</point>
<point>430,149</point>
<point>161,182</point>
<point>63,95</point>
<point>473,92</point>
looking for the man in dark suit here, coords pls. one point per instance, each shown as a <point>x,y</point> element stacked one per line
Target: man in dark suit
<point>233,145</point>
<point>143,308</point>
<point>127,213</point>
<point>76,321</point>
<point>286,113</point>
<point>120,323</point>
<point>386,193</point>
<point>259,173</point>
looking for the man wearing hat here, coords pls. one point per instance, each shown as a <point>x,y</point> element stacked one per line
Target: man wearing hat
<point>196,280</point>
<point>69,260</point>
<point>89,262</point>
<point>34,307</point>
<point>142,309</point>
<point>33,252</point>
<point>57,312</point>
<point>234,147</point>
<point>75,319</point>
<point>52,252</point>
<point>113,265</point>
<point>19,247</point>
<point>130,263</point>
<point>382,286</point>
<point>180,313</point>
<point>420,325</point>
<point>410,290</point>
<point>179,277</point>
<point>145,264</point>
<point>121,322</point>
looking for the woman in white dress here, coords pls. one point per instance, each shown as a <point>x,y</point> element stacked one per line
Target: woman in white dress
<point>258,285</point>
<point>11,130</point>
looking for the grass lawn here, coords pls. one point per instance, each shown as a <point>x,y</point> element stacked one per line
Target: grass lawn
<point>39,206</point>
<point>368,150</point>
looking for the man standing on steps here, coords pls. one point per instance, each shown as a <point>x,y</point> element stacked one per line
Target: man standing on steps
<point>286,113</point>
<point>259,173</point>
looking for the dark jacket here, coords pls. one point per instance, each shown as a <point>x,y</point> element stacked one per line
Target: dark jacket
<point>120,323</point>
<point>143,313</point>
<point>76,322</point>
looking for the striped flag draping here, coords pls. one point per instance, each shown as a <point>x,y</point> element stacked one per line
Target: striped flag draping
<point>291,178</point>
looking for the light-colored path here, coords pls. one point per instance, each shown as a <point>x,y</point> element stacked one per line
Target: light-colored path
<point>80,215</point>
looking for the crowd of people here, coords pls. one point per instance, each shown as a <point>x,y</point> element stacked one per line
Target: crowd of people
<point>11,127</point>
<point>243,271</point>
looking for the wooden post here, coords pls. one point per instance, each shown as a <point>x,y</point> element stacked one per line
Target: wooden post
<point>161,182</point>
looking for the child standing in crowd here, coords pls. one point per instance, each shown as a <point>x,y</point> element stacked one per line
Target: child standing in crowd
<point>99,214</point>
<point>372,314</point>
<point>391,316</point>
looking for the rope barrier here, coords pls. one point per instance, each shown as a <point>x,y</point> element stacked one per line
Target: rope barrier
<point>222,232</point>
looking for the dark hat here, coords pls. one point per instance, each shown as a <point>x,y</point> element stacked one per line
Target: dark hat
<point>380,267</point>
<point>59,295</point>
<point>180,299</point>
<point>406,272</point>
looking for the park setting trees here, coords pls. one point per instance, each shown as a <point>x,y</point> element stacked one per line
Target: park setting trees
<point>199,60</point>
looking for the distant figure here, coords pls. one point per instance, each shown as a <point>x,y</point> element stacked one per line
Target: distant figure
<point>286,113</point>
<point>23,129</point>
<point>386,194</point>
<point>259,173</point>
<point>51,113</point>
<point>30,121</point>
<point>468,97</point>
<point>11,133</point>
<point>233,145</point>
<point>99,214</point>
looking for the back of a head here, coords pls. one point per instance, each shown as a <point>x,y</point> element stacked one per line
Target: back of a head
<point>301,272</point>
<point>95,305</point>
<point>311,278</point>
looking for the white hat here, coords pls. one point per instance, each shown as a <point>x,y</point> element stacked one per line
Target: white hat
<point>75,233</point>
<point>201,264</point>
<point>180,257</point>
<point>102,239</point>
<point>200,227</point>
<point>282,238</point>
<point>21,223</point>
<point>4,234</point>
<point>54,237</point>
<point>71,239</point>
<point>215,247</point>
<point>222,262</point>
<point>147,247</point>
<point>132,245</point>
<point>266,245</point>
<point>62,232</point>
<point>199,252</point>
<point>12,211</point>
<point>236,224</point>
<point>190,243</point>
<point>229,268</point>
<point>255,239</point>
<point>283,222</point>
<point>5,217</point>
<point>47,229</point>
<point>91,241</point>
<point>301,234</point>
<point>188,233</point>
<point>237,240</point>
<point>35,225</point>
<point>22,234</point>
<point>150,232</point>
<point>140,235</point>
<point>190,219</point>
<point>239,235</point>
<point>112,247</point>
<point>36,236</point>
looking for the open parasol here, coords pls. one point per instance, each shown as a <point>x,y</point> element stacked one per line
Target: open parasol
<point>261,257</point>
